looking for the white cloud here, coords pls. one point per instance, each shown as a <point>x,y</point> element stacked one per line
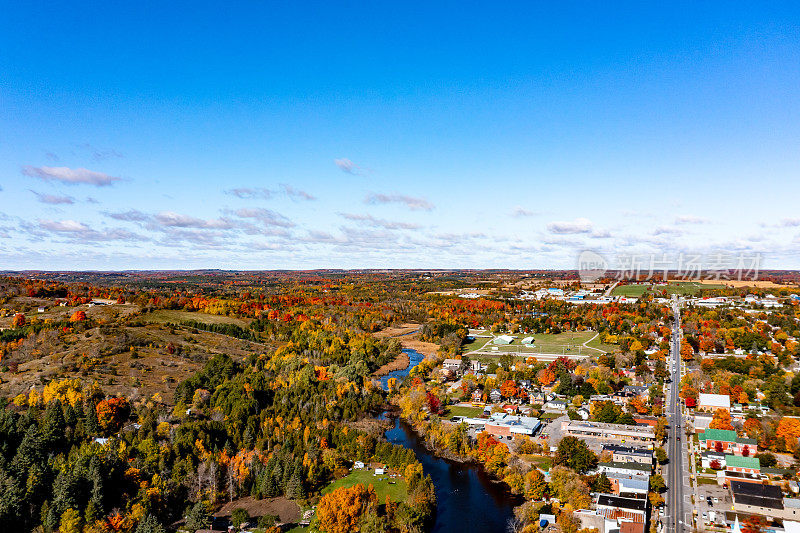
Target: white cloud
<point>296,194</point>
<point>522,212</point>
<point>347,166</point>
<point>266,216</point>
<point>63,226</point>
<point>70,176</point>
<point>250,193</point>
<point>53,199</point>
<point>690,219</point>
<point>415,204</point>
<point>379,222</point>
<point>175,220</point>
<point>579,225</point>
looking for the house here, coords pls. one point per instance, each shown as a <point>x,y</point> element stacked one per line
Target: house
<point>712,402</point>
<point>453,365</point>
<point>622,509</point>
<point>477,366</point>
<point>495,395</point>
<point>740,468</point>
<point>725,440</point>
<point>40,310</point>
<point>503,339</point>
<point>477,396</point>
<point>633,470</point>
<point>358,464</point>
<point>555,405</point>
<point>710,457</point>
<point>635,390</point>
<point>598,430</point>
<point>621,454</point>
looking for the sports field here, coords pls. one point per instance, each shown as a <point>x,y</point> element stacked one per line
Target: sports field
<point>567,343</point>
<point>683,288</point>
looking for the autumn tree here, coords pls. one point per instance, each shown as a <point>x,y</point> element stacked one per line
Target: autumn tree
<point>341,510</point>
<point>18,321</point>
<point>721,420</point>
<point>575,454</point>
<point>789,431</point>
<point>535,485</point>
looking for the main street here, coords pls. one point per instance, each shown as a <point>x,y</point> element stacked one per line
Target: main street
<point>677,519</point>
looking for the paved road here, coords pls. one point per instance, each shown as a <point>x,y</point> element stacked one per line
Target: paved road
<point>677,519</point>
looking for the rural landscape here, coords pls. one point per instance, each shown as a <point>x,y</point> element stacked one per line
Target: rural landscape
<point>329,401</point>
<point>418,267</point>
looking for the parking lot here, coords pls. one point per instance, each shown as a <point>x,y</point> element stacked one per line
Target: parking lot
<point>720,503</point>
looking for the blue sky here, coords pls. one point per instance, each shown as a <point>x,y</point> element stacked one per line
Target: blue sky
<point>458,134</point>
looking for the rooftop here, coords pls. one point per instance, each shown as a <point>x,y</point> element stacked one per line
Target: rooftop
<point>736,461</point>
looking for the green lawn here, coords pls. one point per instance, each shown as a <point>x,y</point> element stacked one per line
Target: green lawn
<point>541,462</point>
<point>550,416</point>
<point>567,343</point>
<point>685,288</point>
<point>163,316</point>
<point>397,491</point>
<point>457,410</point>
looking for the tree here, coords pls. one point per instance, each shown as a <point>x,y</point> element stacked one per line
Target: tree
<point>574,453</point>
<point>535,485</point>
<point>687,352</point>
<point>149,525</point>
<point>789,430</point>
<point>197,517</point>
<point>657,483</point>
<point>721,420</point>
<point>661,456</point>
<point>78,316</point>
<point>239,516</point>
<point>508,389</point>
<point>70,522</point>
<point>18,321</point>
<point>340,511</point>
<point>601,484</point>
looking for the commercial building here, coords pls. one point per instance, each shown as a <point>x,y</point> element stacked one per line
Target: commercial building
<point>598,430</point>
<point>727,441</point>
<point>712,402</point>
<point>502,425</point>
<point>622,454</point>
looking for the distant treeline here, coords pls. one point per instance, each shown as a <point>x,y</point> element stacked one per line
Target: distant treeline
<point>231,330</point>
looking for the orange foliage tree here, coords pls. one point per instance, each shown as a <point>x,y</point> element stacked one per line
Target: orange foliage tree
<point>508,389</point>
<point>789,430</point>
<point>19,321</point>
<point>341,510</point>
<point>112,413</point>
<point>546,376</point>
<point>78,316</point>
<point>721,420</point>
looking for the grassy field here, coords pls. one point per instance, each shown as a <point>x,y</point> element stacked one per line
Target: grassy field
<point>162,316</point>
<point>457,410</point>
<point>567,343</point>
<point>683,288</point>
<point>541,462</point>
<point>397,491</point>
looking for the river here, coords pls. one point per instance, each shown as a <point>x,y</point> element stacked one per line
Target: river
<point>468,500</point>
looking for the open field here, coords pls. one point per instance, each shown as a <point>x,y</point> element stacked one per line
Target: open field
<point>684,288</point>
<point>567,343</point>
<point>396,490</point>
<point>459,410</point>
<point>408,335</point>
<point>162,316</point>
<point>744,283</point>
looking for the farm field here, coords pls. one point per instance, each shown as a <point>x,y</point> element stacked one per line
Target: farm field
<point>395,490</point>
<point>163,316</point>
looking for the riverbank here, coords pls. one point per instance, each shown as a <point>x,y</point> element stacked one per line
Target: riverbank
<point>408,335</point>
<point>468,498</point>
<point>401,362</point>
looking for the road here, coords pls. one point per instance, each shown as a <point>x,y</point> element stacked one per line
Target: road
<point>677,518</point>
